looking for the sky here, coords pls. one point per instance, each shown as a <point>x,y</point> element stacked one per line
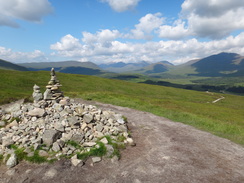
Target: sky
<point>105,31</point>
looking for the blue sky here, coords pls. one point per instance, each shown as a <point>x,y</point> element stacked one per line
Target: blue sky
<point>119,30</point>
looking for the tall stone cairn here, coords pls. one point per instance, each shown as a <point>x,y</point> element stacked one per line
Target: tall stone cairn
<point>53,91</point>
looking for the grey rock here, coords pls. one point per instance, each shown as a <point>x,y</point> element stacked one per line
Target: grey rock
<point>96,159</point>
<point>75,161</point>
<point>2,123</point>
<point>37,112</point>
<point>77,137</point>
<point>12,161</point>
<point>88,118</point>
<point>72,120</point>
<point>50,136</point>
<point>59,127</point>
<point>110,150</point>
<point>37,96</point>
<point>99,127</point>
<point>56,147</point>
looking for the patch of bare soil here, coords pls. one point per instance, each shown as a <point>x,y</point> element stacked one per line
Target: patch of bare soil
<point>165,151</point>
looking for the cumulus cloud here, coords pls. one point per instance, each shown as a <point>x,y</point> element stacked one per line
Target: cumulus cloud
<point>146,26</point>
<point>175,32</point>
<point>214,19</point>
<point>91,47</point>
<point>121,5</point>
<point>29,10</point>
<point>20,57</point>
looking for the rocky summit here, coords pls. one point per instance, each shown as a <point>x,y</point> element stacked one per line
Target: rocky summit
<point>57,127</point>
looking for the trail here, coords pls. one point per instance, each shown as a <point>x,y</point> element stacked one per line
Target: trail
<point>166,151</point>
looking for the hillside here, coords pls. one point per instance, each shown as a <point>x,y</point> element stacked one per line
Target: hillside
<point>71,67</point>
<point>155,68</point>
<point>121,67</point>
<point>190,107</point>
<point>10,66</point>
<point>219,65</point>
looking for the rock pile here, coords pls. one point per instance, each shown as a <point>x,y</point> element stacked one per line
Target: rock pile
<point>53,91</point>
<point>56,128</point>
<point>37,95</point>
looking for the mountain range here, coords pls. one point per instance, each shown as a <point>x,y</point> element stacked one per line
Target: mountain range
<point>219,65</point>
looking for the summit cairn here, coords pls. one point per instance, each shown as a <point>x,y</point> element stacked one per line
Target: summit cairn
<point>54,126</point>
<point>53,91</point>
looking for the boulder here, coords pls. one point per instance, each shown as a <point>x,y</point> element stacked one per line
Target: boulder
<point>37,112</point>
<point>50,136</point>
<point>12,161</point>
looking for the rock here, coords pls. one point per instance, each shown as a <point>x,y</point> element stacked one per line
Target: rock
<point>2,123</point>
<point>56,147</point>
<point>12,161</point>
<point>75,161</point>
<point>72,121</point>
<point>130,141</point>
<point>43,153</point>
<point>89,144</point>
<point>110,150</point>
<point>50,136</point>
<point>7,141</point>
<point>88,118</point>
<point>37,112</point>
<point>77,137</point>
<point>96,159</point>
<point>59,127</point>
<point>37,95</point>
<point>104,140</point>
<point>13,123</point>
<point>99,127</point>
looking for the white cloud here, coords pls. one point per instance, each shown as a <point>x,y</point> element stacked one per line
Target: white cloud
<point>177,31</point>
<point>147,25</point>
<point>29,10</point>
<point>67,43</point>
<point>121,5</point>
<point>92,48</point>
<point>20,57</point>
<point>214,19</point>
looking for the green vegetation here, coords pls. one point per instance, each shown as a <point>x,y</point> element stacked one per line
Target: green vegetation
<point>224,118</point>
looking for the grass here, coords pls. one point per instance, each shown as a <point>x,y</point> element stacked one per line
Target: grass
<point>224,118</point>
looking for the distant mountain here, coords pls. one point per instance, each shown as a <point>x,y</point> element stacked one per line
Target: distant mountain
<point>222,64</point>
<point>120,67</point>
<point>156,68</point>
<point>71,63</point>
<point>10,66</point>
<point>72,67</point>
<point>219,65</point>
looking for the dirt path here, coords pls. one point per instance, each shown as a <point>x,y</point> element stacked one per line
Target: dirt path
<point>166,151</point>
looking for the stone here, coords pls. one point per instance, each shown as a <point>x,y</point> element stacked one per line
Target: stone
<point>130,141</point>
<point>110,150</point>
<point>37,95</point>
<point>47,94</point>
<point>37,112</point>
<point>12,161</point>
<point>96,159</point>
<point>43,153</point>
<point>50,136</point>
<point>88,118</point>
<point>89,144</point>
<point>72,120</point>
<point>104,140</point>
<point>77,137</point>
<point>13,123</point>
<point>75,161</point>
<point>56,147</point>
<point>59,127</point>
<point>99,127</point>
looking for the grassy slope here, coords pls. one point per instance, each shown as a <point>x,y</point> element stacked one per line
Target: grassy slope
<point>224,118</point>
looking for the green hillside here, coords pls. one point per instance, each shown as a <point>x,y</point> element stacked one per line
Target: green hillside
<point>224,118</point>
<point>10,66</point>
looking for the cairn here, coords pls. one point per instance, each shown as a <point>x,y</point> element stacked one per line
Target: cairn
<point>53,91</point>
<point>37,95</point>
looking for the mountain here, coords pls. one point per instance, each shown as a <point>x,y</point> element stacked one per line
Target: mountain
<point>120,67</point>
<point>219,65</point>
<point>10,66</point>
<point>156,68</point>
<point>71,63</point>
<point>72,67</point>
